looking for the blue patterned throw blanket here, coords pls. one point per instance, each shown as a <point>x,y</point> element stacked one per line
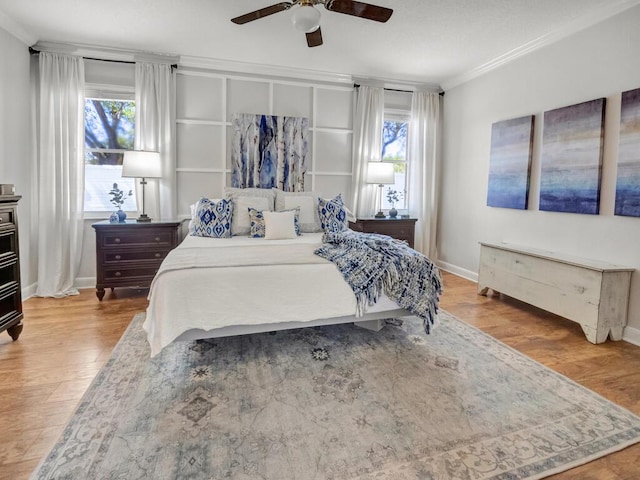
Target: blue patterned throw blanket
<point>374,264</point>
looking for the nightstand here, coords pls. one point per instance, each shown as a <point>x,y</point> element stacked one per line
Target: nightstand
<point>129,254</point>
<point>399,228</point>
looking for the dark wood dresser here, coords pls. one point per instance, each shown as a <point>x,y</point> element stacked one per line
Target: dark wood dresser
<point>10,288</point>
<point>399,228</point>
<point>129,254</point>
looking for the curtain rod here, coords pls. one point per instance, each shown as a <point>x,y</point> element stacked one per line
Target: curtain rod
<point>357,85</point>
<point>33,51</point>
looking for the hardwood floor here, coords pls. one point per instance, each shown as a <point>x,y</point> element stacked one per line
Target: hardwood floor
<point>65,342</point>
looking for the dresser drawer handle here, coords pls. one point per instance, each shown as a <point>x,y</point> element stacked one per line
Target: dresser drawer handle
<point>118,257</point>
<point>158,255</point>
<point>117,274</point>
<point>117,240</point>
<point>157,239</point>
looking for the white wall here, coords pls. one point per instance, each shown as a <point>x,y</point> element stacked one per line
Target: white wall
<point>15,143</point>
<point>602,61</point>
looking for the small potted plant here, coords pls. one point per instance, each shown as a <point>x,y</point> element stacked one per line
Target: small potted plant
<point>118,198</point>
<point>393,197</point>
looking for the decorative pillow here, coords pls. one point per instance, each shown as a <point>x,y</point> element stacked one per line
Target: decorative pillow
<point>212,219</point>
<point>256,219</point>
<point>279,225</point>
<point>333,214</point>
<point>193,207</point>
<point>258,228</point>
<point>308,204</point>
<point>243,198</point>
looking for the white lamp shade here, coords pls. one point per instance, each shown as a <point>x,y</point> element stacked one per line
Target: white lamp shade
<point>141,164</point>
<point>305,18</point>
<point>380,173</point>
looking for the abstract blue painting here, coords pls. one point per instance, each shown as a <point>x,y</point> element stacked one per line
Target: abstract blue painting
<point>510,163</point>
<point>572,143</point>
<point>628,184</point>
<point>269,151</point>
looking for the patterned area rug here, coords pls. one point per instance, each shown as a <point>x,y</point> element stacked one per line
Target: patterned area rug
<point>336,402</point>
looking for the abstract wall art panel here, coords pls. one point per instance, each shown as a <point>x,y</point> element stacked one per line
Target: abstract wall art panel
<point>269,151</point>
<point>572,143</point>
<point>510,163</point>
<point>628,183</point>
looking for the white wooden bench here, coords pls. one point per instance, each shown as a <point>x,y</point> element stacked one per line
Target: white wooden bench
<point>591,293</point>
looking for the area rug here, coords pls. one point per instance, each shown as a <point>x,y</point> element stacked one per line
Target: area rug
<point>335,402</point>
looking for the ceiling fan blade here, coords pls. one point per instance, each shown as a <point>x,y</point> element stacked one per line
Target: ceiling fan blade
<point>263,12</point>
<point>314,39</point>
<point>359,9</point>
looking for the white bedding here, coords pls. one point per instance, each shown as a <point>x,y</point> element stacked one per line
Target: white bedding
<point>211,287</point>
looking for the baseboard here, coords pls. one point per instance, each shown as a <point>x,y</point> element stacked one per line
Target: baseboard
<point>85,282</point>
<point>631,335</point>
<point>461,272</point>
<point>29,291</point>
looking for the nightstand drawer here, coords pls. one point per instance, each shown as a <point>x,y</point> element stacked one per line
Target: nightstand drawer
<point>135,256</point>
<point>121,272</point>
<point>137,239</point>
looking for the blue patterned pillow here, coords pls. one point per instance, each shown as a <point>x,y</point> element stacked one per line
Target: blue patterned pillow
<point>212,219</point>
<point>333,214</point>
<point>257,225</point>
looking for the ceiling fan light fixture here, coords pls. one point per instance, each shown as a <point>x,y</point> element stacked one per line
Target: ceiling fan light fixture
<point>305,18</point>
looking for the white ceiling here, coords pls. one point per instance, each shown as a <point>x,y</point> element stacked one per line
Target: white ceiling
<point>433,42</point>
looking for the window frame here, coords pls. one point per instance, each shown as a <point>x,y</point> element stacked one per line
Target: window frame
<point>95,91</point>
<point>398,115</point>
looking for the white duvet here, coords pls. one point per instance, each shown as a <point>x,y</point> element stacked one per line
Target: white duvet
<point>206,284</point>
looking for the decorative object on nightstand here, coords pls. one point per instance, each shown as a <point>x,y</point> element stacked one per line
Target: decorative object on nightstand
<point>380,173</point>
<point>117,200</point>
<point>141,164</point>
<point>129,254</point>
<point>393,197</point>
<point>398,228</point>
<point>10,288</point>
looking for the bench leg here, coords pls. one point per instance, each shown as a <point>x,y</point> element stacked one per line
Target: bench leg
<point>598,334</point>
<point>373,325</point>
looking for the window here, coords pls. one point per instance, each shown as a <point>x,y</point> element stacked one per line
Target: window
<point>394,149</point>
<point>109,127</point>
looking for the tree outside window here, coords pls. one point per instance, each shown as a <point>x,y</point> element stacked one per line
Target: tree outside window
<point>394,150</point>
<point>109,129</point>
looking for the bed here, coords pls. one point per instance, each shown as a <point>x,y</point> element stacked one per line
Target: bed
<point>237,284</point>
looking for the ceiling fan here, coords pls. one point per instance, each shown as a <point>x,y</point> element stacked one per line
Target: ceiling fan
<point>306,18</point>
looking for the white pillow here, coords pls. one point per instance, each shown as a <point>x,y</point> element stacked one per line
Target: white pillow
<point>241,223</point>
<point>309,221</point>
<point>279,225</point>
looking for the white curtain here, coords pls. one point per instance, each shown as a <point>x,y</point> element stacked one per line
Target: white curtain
<point>155,120</point>
<point>60,164</point>
<point>367,147</point>
<point>423,169</point>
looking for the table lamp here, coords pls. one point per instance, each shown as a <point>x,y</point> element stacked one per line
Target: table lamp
<point>141,164</point>
<point>382,174</point>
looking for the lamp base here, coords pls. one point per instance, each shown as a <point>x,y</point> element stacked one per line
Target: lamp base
<point>380,214</point>
<point>143,218</point>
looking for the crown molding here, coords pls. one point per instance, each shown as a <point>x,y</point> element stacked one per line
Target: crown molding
<point>263,70</point>
<point>579,24</point>
<point>105,53</point>
<point>15,29</point>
